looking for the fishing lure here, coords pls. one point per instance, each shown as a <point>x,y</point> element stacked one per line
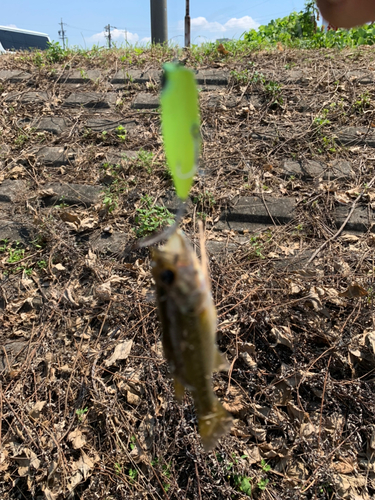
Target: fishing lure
<point>180,125</point>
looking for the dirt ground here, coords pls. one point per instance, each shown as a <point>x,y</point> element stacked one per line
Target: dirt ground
<point>86,404</point>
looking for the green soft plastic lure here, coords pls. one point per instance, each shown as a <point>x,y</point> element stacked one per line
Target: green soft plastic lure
<point>180,125</point>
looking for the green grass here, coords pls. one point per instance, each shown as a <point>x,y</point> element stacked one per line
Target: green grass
<point>151,217</point>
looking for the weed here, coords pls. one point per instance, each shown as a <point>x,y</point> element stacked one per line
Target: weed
<point>21,139</point>
<point>132,443</point>
<point>265,466</point>
<point>133,474</point>
<point>273,93</point>
<point>363,102</point>
<point>150,217</point>
<point>205,199</point>
<point>144,160</point>
<point>257,247</point>
<point>15,255</point>
<point>110,201</point>
<point>81,413</point>
<point>4,244</point>
<point>121,133</point>
<point>118,468</point>
<point>240,77</point>
<point>42,264</point>
<point>262,483</point>
<point>322,120</point>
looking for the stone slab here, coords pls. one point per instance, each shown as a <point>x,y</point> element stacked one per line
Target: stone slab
<point>16,352</point>
<point>90,100</point>
<point>361,77</point>
<point>356,136</point>
<point>109,124</point>
<point>294,77</point>
<point>114,243</point>
<point>137,76</point>
<point>77,76</point>
<point>309,169</point>
<point>212,77</point>
<point>144,100</point>
<point>10,190</point>
<point>72,194</point>
<point>251,209</point>
<point>119,157</point>
<point>27,97</point>
<point>54,124</point>
<point>221,249</point>
<point>14,76</point>
<point>361,220</point>
<point>54,156</point>
<point>265,135</point>
<point>15,231</point>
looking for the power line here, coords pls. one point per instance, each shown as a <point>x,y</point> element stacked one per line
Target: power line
<point>62,33</point>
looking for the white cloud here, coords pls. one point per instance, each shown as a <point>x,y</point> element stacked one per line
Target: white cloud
<point>116,35</point>
<point>11,26</point>
<point>201,24</point>
<point>243,23</point>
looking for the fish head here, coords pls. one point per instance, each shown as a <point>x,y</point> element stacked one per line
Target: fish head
<point>177,271</point>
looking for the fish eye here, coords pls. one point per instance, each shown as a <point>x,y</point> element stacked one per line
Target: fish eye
<point>167,277</point>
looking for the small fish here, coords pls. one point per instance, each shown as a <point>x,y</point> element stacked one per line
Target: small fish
<point>188,316</point>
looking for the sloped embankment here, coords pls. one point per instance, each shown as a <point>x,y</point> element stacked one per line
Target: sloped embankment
<point>287,159</point>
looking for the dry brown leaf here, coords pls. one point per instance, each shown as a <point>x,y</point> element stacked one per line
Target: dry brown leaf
<point>121,352</point>
<point>253,455</point>
<point>103,292</point>
<point>234,400</point>
<point>84,464</point>
<point>283,336</point>
<point>91,259</point>
<point>354,291</point>
<point>342,197</point>
<point>37,410</point>
<point>296,413</point>
<point>77,438</point>
<point>69,217</point>
<point>343,467</point>
<point>222,49</point>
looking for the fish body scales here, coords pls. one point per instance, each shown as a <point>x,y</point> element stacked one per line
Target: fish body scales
<point>188,317</point>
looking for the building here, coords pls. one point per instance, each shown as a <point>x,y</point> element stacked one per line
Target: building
<point>12,39</point>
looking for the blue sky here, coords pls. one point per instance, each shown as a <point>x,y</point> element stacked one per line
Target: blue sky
<point>85,19</point>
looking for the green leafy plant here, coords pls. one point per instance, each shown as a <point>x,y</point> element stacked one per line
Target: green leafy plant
<point>144,160</point>
<point>133,474</point>
<point>81,412</point>
<point>4,245</point>
<point>257,247</point>
<point>15,255</point>
<point>150,217</point>
<point>132,443</point>
<point>300,29</point>
<point>121,133</point>
<point>362,102</point>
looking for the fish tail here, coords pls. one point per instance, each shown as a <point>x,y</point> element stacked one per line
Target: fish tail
<point>213,425</point>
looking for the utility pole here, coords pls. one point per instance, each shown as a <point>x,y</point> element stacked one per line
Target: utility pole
<point>159,25</point>
<point>108,35</point>
<point>187,24</point>
<point>62,33</point>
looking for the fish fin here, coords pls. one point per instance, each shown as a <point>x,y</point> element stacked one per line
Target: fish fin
<point>220,361</point>
<point>214,425</point>
<point>179,390</point>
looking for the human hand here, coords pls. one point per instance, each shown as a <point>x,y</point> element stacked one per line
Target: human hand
<point>347,13</point>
